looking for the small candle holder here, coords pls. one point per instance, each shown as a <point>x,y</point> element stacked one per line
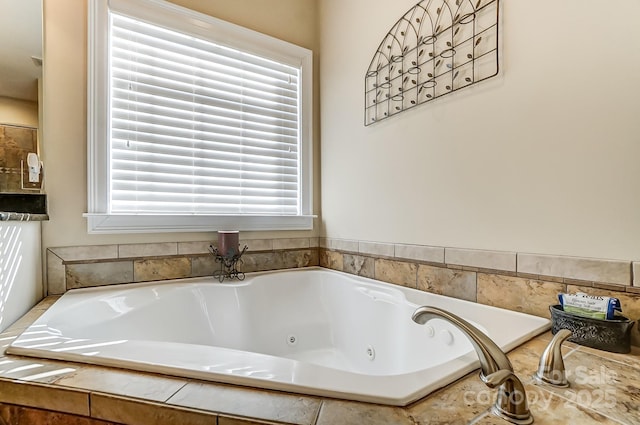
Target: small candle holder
<point>228,264</point>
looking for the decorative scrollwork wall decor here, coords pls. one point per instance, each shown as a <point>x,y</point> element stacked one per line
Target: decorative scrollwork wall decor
<point>436,48</point>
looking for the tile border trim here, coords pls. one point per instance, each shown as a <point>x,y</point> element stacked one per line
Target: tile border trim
<point>592,271</point>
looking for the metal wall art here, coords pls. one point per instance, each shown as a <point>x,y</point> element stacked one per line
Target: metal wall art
<point>436,48</point>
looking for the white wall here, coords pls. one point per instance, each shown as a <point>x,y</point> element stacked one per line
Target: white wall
<point>20,278</point>
<point>543,158</point>
<point>64,122</point>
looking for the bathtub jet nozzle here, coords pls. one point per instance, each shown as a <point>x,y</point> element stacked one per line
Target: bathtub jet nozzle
<point>495,368</point>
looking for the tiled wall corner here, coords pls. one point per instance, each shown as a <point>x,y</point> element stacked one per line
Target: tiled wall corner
<point>345,245</point>
<point>636,273</point>
<point>56,278</point>
<point>87,266</point>
<point>452,283</point>
<point>588,269</point>
<point>331,259</point>
<point>84,253</point>
<point>519,294</point>
<point>495,260</point>
<point>429,254</point>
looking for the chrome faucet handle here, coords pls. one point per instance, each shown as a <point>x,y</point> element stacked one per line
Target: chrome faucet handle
<point>495,368</point>
<point>551,368</point>
<point>511,403</point>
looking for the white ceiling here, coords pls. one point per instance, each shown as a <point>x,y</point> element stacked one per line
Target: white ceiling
<point>20,39</point>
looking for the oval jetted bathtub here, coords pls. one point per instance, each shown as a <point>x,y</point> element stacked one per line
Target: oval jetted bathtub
<point>311,331</point>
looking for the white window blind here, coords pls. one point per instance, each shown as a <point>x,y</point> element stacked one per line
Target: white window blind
<point>197,127</point>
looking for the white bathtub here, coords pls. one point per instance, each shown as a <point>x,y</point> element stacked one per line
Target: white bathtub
<point>311,331</point>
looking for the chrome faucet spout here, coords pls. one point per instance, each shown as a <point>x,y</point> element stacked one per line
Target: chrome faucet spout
<point>495,368</point>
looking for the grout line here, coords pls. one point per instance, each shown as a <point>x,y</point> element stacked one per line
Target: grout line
<point>176,392</point>
<point>315,420</point>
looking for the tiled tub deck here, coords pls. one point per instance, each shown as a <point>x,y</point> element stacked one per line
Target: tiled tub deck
<point>604,390</point>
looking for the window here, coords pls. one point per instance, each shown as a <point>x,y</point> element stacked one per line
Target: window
<point>195,124</point>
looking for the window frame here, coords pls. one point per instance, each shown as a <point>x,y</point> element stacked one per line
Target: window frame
<point>163,13</point>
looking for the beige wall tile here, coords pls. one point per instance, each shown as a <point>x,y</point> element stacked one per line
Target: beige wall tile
<point>45,397</point>
<point>97,274</point>
<point>257,244</point>
<point>346,245</point>
<point>314,259</point>
<point>497,260</point>
<point>147,249</point>
<point>518,294</point>
<point>314,242</point>
<point>606,271</point>
<point>56,278</point>
<point>89,252</point>
<point>443,281</point>
<point>332,260</point>
<point>261,261</point>
<point>376,248</point>
<point>432,254</point>
<point>291,243</point>
<point>359,265</point>
<point>204,266</point>
<point>397,272</point>
<point>248,403</point>
<point>200,247</point>
<point>636,273</point>
<point>297,259</point>
<point>136,412</point>
<point>161,269</point>
<point>122,382</point>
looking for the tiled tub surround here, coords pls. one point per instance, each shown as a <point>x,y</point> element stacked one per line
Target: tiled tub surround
<point>529,283</point>
<point>516,281</point>
<point>603,391</point>
<point>346,331</point>
<point>97,265</point>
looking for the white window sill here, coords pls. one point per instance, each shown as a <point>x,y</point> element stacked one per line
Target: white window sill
<point>157,223</point>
